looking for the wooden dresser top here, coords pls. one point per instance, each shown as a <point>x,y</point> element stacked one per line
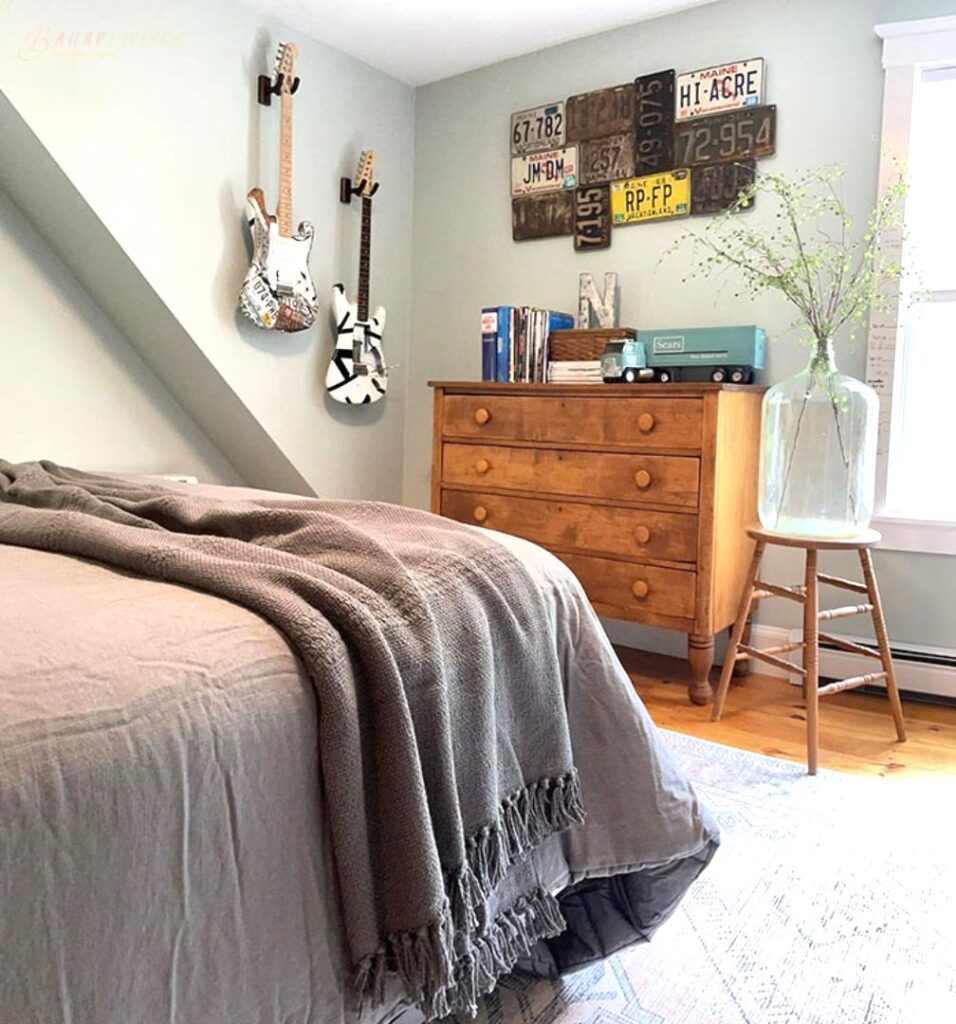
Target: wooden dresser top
<point>472,387</point>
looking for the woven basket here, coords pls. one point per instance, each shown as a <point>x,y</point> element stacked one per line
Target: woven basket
<point>584,343</point>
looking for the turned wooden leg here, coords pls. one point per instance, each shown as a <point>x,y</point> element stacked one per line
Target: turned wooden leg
<point>742,668</point>
<point>810,660</point>
<point>882,640</point>
<point>740,631</point>
<point>700,654</point>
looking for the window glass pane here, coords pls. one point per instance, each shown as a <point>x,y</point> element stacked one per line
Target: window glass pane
<point>930,211</point>
<point>922,479</point>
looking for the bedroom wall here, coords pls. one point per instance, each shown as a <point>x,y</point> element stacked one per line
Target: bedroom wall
<point>824,74</point>
<point>149,110</point>
<point>74,391</point>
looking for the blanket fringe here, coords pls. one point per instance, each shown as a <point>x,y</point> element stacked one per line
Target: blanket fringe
<point>445,967</point>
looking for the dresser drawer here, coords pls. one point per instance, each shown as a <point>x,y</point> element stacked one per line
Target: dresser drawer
<point>630,590</point>
<point>572,526</point>
<point>656,479</point>
<point>626,421</point>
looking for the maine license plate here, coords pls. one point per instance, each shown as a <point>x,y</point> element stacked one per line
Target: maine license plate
<point>537,129</point>
<point>592,115</point>
<point>542,216</point>
<point>736,135</point>
<point>651,197</point>
<point>724,87</point>
<point>715,187</point>
<point>544,172</point>
<point>654,122</point>
<point>606,159</point>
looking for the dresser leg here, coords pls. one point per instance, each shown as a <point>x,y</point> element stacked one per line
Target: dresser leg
<point>700,654</point>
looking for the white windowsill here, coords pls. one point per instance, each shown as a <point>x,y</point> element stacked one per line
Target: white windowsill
<point>934,537</point>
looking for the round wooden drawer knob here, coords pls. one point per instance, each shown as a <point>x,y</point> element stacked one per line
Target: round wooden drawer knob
<point>482,416</point>
<point>482,466</point>
<point>639,588</point>
<point>480,513</point>
<point>642,478</point>
<point>645,422</point>
<point>643,534</point>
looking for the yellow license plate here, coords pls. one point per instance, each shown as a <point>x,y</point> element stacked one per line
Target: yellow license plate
<point>651,197</point>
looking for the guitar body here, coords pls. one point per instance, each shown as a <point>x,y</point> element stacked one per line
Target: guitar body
<point>357,374</point>
<point>277,293</point>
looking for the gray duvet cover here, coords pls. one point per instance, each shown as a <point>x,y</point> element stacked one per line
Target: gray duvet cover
<point>163,856</point>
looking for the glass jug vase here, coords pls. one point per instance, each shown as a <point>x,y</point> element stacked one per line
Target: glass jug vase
<point>818,452</point>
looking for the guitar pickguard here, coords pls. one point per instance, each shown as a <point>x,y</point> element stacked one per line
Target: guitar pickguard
<point>357,374</point>
<point>278,293</point>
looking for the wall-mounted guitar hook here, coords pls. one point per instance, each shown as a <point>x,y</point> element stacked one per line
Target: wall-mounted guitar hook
<point>347,189</point>
<point>267,88</point>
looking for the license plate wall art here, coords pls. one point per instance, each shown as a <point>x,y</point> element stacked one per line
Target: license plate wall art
<point>665,145</point>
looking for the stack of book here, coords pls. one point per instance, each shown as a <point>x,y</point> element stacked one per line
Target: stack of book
<point>575,371</point>
<point>514,342</point>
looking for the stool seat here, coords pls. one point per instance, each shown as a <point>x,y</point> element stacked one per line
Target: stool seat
<point>806,594</point>
<point>866,539</point>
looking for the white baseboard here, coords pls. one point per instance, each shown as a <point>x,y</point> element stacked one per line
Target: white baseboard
<point>912,672</point>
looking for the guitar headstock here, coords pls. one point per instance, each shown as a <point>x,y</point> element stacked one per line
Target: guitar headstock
<point>284,73</point>
<point>364,184</point>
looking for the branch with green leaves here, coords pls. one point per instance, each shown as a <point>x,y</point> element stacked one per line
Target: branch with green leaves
<point>809,252</point>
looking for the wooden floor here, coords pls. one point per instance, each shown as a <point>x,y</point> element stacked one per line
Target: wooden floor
<point>766,715</point>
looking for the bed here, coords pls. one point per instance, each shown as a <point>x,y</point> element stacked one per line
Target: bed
<point>164,848</point>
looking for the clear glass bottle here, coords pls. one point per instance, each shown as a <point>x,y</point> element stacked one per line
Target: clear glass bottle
<point>818,452</point>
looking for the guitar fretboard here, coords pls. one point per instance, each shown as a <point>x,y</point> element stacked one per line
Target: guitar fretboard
<point>364,254</point>
<point>284,210</point>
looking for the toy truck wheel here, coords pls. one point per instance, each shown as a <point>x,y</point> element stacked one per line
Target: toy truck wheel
<point>664,376</point>
<point>630,375</point>
<point>738,375</point>
<point>718,375</point>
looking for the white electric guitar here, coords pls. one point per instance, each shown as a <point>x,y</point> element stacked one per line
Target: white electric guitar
<point>278,293</point>
<point>357,373</point>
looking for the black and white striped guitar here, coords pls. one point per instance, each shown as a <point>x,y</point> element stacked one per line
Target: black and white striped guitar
<point>357,374</point>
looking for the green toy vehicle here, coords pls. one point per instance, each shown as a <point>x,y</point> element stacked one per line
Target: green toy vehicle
<point>698,353</point>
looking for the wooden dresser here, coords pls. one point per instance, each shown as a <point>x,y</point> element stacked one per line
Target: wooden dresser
<point>643,490</point>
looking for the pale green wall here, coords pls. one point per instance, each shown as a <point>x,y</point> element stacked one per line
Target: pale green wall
<point>74,390</point>
<point>164,139</point>
<point>824,74</point>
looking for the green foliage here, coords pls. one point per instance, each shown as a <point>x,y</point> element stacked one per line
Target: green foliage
<point>809,252</point>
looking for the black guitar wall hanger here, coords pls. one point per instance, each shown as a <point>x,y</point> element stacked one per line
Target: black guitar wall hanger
<point>347,190</point>
<point>268,88</point>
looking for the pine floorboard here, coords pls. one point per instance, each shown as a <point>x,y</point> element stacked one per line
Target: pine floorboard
<point>767,715</point>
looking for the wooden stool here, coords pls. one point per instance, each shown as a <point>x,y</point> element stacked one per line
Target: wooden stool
<point>756,590</point>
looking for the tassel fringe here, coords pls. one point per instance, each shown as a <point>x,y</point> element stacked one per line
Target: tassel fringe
<point>446,966</point>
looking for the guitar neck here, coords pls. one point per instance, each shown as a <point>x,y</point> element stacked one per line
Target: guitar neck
<point>284,210</point>
<point>364,254</point>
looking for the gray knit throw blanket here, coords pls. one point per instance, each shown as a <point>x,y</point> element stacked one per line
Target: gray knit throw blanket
<point>443,736</point>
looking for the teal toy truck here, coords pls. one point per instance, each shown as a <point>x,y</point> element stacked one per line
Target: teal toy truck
<point>696,353</point>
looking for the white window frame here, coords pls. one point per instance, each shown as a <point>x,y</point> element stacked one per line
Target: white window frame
<point>908,48</point>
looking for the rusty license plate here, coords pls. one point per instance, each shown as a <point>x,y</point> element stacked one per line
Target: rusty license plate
<point>538,128</point>
<point>592,115</point>
<point>735,135</point>
<point>549,171</point>
<point>654,122</point>
<point>602,160</point>
<point>715,187</point>
<point>542,216</point>
<point>592,218</point>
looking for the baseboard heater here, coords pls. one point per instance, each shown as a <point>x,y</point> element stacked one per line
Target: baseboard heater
<point>923,673</point>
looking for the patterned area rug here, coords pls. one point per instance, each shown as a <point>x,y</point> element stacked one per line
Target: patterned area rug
<point>832,899</point>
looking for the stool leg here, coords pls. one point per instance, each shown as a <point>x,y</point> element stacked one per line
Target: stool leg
<point>810,661</point>
<point>743,617</point>
<point>882,640</point>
